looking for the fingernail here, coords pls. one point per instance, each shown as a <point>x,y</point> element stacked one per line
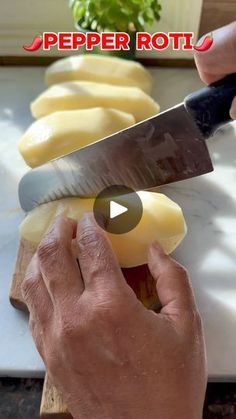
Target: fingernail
<point>87,231</point>
<point>233,109</point>
<point>157,250</point>
<point>87,219</point>
<point>157,247</point>
<point>96,219</point>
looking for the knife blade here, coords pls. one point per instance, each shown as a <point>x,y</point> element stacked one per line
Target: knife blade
<point>166,148</point>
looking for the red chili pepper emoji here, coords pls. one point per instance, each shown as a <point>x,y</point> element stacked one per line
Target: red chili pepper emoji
<point>35,45</point>
<point>205,45</point>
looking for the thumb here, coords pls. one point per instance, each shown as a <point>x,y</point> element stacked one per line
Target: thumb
<point>172,282</point>
<point>233,109</point>
<point>219,60</point>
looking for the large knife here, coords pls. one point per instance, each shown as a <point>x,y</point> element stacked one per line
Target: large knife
<point>166,148</point>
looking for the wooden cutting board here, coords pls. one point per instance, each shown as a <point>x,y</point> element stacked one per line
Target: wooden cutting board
<point>140,280</point>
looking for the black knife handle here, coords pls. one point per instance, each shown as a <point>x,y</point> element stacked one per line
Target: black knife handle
<point>210,106</point>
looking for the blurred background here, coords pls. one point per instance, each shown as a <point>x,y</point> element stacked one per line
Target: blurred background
<point>21,20</point>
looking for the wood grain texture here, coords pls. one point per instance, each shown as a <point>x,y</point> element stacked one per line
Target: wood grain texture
<point>139,279</point>
<point>24,255</point>
<point>52,405</point>
<point>216,13</point>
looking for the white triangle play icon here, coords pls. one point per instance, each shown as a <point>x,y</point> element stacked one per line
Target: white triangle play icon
<point>116,209</point>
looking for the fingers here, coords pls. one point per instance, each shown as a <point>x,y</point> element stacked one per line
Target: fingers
<point>219,60</point>
<point>58,266</point>
<point>98,264</point>
<point>172,282</point>
<point>233,109</point>
<point>35,292</point>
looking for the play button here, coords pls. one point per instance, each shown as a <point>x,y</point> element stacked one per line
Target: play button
<point>118,209</point>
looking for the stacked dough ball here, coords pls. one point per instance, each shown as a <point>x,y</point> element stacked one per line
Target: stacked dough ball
<point>90,97</point>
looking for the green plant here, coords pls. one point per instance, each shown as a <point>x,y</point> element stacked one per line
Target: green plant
<point>115,15</point>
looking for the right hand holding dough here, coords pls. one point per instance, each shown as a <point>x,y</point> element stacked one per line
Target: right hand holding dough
<point>108,355</point>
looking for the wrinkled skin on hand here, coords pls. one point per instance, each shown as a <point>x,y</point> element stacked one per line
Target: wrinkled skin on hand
<point>108,355</point>
<point>220,59</point>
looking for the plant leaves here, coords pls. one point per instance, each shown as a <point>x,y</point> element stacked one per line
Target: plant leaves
<point>115,15</point>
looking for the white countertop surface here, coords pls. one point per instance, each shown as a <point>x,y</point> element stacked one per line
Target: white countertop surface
<point>208,202</point>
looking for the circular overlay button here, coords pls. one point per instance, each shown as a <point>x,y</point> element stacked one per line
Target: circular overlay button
<point>118,209</point>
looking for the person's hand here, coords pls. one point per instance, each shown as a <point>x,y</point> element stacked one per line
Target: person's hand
<point>108,355</point>
<point>220,59</point>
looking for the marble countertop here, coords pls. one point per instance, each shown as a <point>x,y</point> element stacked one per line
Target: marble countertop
<point>208,202</point>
